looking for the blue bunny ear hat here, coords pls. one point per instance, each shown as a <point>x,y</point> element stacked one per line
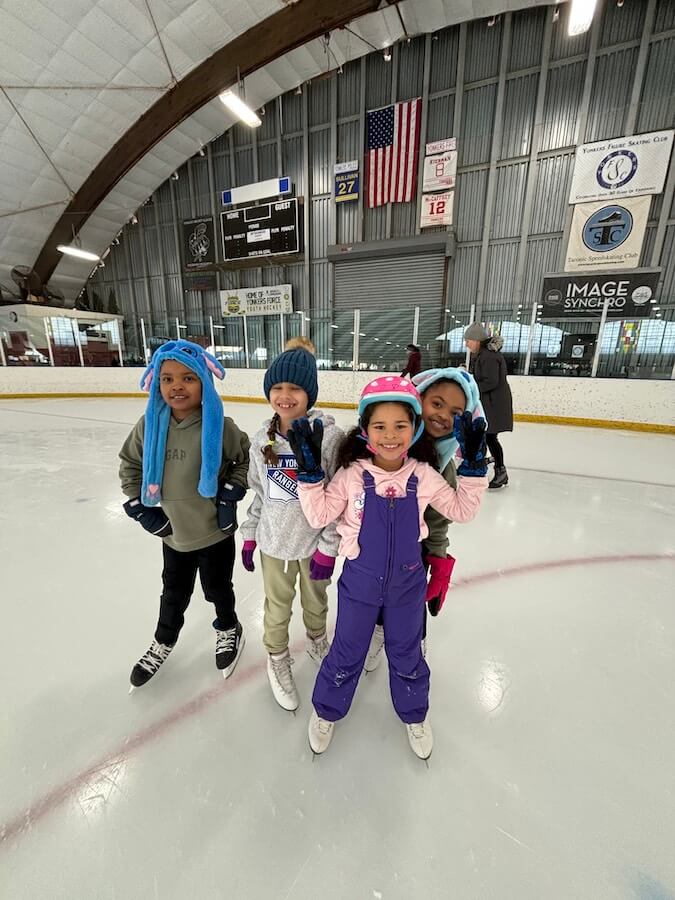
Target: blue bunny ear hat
<point>158,414</point>
<point>447,447</point>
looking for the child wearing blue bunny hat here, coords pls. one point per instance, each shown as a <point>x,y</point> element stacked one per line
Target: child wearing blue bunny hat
<point>184,455</point>
<point>445,393</point>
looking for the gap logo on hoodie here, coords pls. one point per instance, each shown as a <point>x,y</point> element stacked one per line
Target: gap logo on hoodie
<point>282,479</point>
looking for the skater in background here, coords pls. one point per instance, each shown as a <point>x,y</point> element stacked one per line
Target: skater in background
<point>290,548</point>
<point>186,456</point>
<point>488,367</point>
<point>445,393</point>
<point>378,498</point>
<point>414,362</point>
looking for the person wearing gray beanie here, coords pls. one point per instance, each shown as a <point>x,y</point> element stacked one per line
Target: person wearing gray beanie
<point>488,367</point>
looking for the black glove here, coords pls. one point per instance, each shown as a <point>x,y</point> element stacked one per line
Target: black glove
<point>226,502</point>
<point>305,439</point>
<point>470,435</point>
<point>152,518</point>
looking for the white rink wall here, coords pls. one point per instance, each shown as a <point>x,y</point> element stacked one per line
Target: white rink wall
<point>604,399</point>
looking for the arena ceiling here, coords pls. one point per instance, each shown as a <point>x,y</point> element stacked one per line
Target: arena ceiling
<point>102,100</point>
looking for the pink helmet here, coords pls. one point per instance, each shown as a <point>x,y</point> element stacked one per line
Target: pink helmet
<point>392,388</point>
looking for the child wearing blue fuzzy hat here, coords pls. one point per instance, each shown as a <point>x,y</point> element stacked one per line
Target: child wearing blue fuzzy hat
<point>445,393</point>
<point>184,455</point>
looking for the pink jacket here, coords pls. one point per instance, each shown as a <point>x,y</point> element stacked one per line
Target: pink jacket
<point>342,499</point>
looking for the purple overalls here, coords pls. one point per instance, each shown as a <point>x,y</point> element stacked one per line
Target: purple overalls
<point>387,575</point>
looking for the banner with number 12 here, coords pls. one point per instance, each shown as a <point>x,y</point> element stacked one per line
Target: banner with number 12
<point>437,209</point>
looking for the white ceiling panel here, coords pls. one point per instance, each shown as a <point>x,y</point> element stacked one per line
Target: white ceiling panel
<point>85,61</point>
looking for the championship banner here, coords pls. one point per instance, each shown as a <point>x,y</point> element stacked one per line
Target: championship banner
<point>199,245</point>
<point>569,297</point>
<point>440,171</point>
<point>607,235</point>
<point>347,181</point>
<point>621,167</point>
<point>264,301</point>
<point>437,209</point>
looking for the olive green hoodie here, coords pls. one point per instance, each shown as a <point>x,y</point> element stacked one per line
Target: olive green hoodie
<point>193,517</point>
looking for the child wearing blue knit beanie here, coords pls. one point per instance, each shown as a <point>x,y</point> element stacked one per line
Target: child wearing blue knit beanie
<point>290,549</point>
<point>184,455</point>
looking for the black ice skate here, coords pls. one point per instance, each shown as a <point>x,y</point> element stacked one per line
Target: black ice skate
<point>149,664</point>
<point>501,478</point>
<point>229,645</point>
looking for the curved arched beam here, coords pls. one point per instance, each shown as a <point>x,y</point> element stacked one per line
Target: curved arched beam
<point>273,37</point>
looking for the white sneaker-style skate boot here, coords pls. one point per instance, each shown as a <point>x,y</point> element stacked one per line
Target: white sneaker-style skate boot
<point>421,738</point>
<point>375,649</point>
<point>282,682</point>
<point>318,647</point>
<point>320,733</point>
<point>148,665</point>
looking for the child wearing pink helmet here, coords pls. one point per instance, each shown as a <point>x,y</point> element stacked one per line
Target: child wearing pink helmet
<point>378,498</point>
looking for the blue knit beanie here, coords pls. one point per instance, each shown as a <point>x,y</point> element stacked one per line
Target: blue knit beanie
<point>294,367</point>
<point>157,415</point>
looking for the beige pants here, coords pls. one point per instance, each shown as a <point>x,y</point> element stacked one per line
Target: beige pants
<point>279,578</point>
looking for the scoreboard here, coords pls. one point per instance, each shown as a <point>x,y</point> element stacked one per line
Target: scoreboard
<point>267,230</point>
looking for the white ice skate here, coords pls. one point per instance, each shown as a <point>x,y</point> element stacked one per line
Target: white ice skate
<point>282,682</point>
<point>375,649</point>
<point>421,738</point>
<point>320,733</point>
<point>317,648</point>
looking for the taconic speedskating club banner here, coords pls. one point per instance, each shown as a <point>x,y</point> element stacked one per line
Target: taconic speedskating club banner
<point>607,235</point>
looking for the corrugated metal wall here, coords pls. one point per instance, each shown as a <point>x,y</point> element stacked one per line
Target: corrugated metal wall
<point>301,133</point>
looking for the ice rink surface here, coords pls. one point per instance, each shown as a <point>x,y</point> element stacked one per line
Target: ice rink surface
<point>553,697</point>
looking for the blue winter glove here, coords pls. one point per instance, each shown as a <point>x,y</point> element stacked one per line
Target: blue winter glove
<point>305,439</point>
<point>152,518</point>
<point>470,435</point>
<point>226,502</point>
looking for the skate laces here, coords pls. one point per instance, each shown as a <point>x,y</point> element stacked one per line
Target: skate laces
<point>320,645</point>
<point>226,640</point>
<point>155,656</point>
<point>417,730</point>
<point>324,726</point>
<point>283,674</point>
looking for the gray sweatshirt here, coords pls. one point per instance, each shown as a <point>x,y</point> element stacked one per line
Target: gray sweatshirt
<point>275,519</point>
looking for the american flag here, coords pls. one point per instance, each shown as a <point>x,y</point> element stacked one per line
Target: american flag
<point>393,150</point>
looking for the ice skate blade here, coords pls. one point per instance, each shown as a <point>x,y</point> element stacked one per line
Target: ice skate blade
<point>233,665</point>
<point>132,688</point>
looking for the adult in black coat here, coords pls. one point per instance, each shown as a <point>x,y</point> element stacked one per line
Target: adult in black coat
<point>488,367</point>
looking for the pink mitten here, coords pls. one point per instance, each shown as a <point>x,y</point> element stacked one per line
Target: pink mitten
<point>439,582</point>
<point>321,566</point>
<point>247,552</point>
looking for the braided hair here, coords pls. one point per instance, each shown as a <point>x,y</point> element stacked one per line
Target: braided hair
<point>268,450</point>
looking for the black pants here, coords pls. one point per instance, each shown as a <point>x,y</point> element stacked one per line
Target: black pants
<point>215,565</point>
<point>495,449</point>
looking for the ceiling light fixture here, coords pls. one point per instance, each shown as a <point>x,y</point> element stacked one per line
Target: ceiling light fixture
<point>581,16</point>
<point>75,249</point>
<point>386,54</point>
<point>240,109</point>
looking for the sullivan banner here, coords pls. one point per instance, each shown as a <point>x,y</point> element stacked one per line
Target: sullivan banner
<point>583,296</point>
